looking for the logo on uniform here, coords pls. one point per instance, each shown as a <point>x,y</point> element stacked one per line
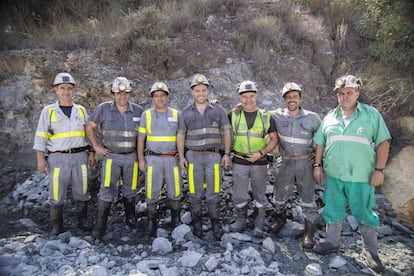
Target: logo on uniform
<point>159,85</point>
<point>360,130</point>
<point>200,79</point>
<point>214,124</point>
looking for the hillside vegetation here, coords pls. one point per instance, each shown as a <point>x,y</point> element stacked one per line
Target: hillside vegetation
<point>371,38</point>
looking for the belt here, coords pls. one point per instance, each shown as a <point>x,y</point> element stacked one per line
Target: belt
<point>242,155</point>
<point>72,150</point>
<point>299,157</point>
<point>129,152</point>
<point>208,151</point>
<point>168,154</point>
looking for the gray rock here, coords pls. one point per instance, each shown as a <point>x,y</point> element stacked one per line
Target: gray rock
<point>384,230</point>
<point>353,223</point>
<point>67,270</point>
<point>190,258</point>
<point>95,270</point>
<point>186,218</point>
<point>179,233</point>
<point>291,229</point>
<point>313,269</point>
<point>78,243</point>
<point>161,246</point>
<point>269,245</point>
<point>337,262</point>
<point>211,264</point>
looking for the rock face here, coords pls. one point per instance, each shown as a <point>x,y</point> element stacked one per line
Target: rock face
<point>399,185</point>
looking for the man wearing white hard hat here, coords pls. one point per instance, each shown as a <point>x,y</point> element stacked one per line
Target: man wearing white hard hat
<point>352,151</point>
<point>295,129</point>
<point>119,121</point>
<point>254,136</point>
<point>157,155</point>
<point>61,135</point>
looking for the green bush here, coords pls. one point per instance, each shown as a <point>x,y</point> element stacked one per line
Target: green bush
<point>390,28</point>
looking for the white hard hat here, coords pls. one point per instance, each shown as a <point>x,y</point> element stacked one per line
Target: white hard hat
<point>63,78</point>
<point>291,86</point>
<point>347,81</point>
<point>247,86</point>
<point>199,79</point>
<point>121,84</point>
<point>159,86</point>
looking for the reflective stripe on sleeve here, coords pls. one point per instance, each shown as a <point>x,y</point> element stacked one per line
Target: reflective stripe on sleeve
<point>161,138</point>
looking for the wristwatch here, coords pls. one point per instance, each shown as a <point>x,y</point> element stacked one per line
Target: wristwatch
<point>380,170</point>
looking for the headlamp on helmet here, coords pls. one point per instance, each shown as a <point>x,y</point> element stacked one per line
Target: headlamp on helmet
<point>121,84</point>
<point>347,81</point>
<point>199,79</point>
<point>159,86</point>
<point>291,86</point>
<point>63,78</point>
<point>247,86</point>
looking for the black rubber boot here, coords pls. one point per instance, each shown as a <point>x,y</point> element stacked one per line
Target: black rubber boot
<point>103,209</point>
<point>308,241</point>
<point>259,222</point>
<point>240,222</point>
<point>331,242</point>
<point>82,215</point>
<point>129,205</point>
<point>215,220</point>
<point>175,213</point>
<point>278,221</point>
<point>152,220</point>
<point>197,220</point>
<point>56,215</point>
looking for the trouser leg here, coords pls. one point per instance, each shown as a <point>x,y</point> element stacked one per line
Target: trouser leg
<point>369,237</point>
<point>332,240</point>
<point>101,219</point>
<point>56,215</point>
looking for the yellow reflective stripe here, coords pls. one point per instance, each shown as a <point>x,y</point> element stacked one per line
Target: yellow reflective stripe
<point>119,182</point>
<point>142,130</point>
<point>107,179</point>
<point>81,113</point>
<point>52,115</point>
<point>177,182</point>
<point>191,178</point>
<point>42,134</point>
<point>148,116</point>
<point>135,176</point>
<point>175,113</point>
<point>149,182</point>
<point>80,133</point>
<point>162,138</point>
<point>84,179</point>
<point>55,181</point>
<point>216,178</point>
<point>204,185</point>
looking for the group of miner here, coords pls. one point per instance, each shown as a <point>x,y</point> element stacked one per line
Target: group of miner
<point>346,152</point>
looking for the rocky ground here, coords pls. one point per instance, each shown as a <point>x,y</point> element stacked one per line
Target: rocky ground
<point>26,248</point>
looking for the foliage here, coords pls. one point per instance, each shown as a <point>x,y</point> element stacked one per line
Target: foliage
<point>390,27</point>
